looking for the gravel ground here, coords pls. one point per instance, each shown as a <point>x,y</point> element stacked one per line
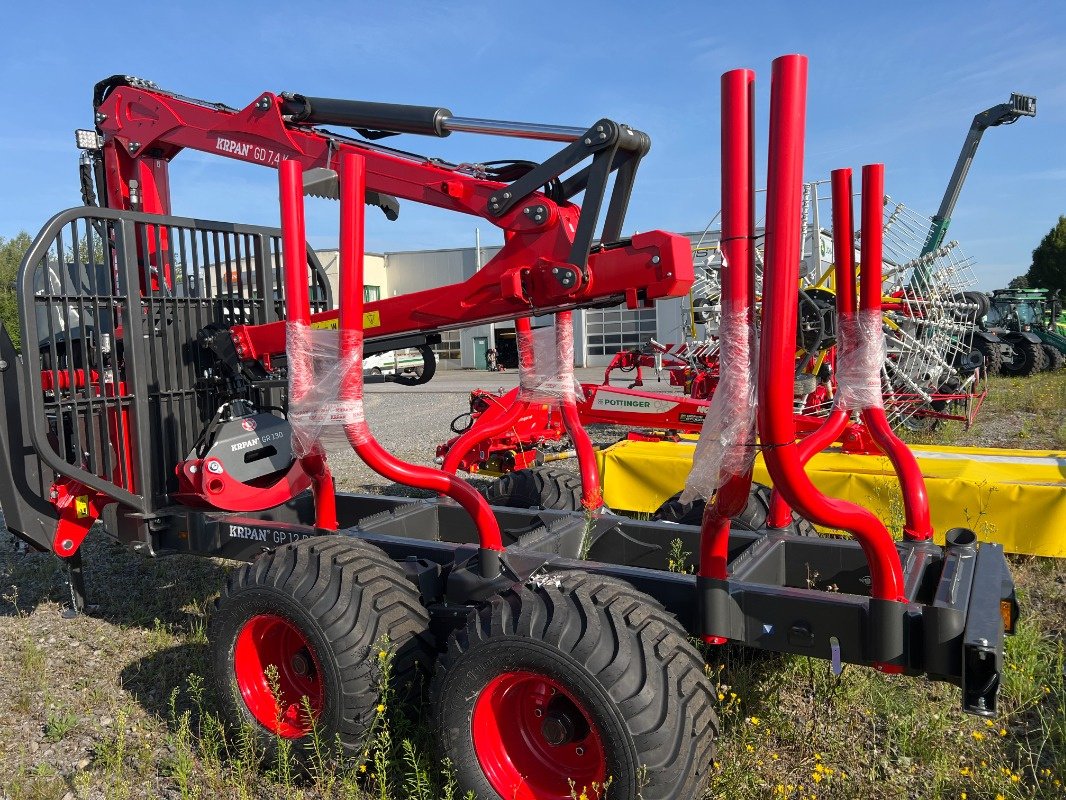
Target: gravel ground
<point>84,708</point>
<point>412,421</point>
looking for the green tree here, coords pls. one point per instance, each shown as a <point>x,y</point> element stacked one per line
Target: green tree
<point>1048,270</point>
<point>11,252</point>
<point>1020,282</point>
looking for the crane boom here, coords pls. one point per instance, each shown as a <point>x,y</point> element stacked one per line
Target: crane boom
<point>1019,105</point>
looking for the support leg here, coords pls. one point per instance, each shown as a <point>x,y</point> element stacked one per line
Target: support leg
<point>76,582</point>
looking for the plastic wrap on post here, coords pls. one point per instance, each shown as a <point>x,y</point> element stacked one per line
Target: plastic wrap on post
<point>861,357</point>
<point>317,412</point>
<point>726,446</point>
<point>546,365</point>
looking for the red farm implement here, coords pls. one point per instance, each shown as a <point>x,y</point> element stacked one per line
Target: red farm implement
<point>179,377</point>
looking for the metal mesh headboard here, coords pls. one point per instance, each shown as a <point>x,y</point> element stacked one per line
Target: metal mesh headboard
<point>111,305</point>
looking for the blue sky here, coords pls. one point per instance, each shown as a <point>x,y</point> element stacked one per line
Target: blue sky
<point>897,83</point>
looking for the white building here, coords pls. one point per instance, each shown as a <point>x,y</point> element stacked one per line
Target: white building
<point>598,333</point>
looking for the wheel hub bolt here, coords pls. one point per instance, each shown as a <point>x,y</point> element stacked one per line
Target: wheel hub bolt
<point>300,665</point>
<point>557,729</point>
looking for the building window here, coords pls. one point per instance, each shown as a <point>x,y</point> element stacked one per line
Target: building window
<point>449,348</point>
<point>371,293</point>
<point>609,330</point>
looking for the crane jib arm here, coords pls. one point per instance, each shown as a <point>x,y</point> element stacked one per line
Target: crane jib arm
<point>550,261</point>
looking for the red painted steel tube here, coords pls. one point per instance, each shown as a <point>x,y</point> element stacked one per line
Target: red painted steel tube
<point>843,241</point>
<point>298,317</point>
<point>352,193</point>
<point>777,429</point>
<point>496,420</point>
<point>738,291</point>
<point>294,249</point>
<point>779,515</point>
<point>591,493</point>
<point>917,525</point>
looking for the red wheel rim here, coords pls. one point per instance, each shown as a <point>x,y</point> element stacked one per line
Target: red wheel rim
<point>269,640</point>
<point>535,740</point>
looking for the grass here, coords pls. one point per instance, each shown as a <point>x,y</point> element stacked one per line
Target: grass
<point>59,724</point>
<point>1038,394</point>
<point>793,729</point>
<point>208,760</point>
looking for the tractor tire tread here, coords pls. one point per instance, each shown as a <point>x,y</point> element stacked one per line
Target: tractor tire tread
<point>1030,359</point>
<point>1053,358</point>
<point>544,486</point>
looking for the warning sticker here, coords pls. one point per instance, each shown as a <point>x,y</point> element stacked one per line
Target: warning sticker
<point>371,319</point>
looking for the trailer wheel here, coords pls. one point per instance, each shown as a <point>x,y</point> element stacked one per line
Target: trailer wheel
<point>318,612</point>
<point>545,487</point>
<point>752,518</point>
<point>1028,358</point>
<point>1053,357</point>
<point>993,357</point>
<point>610,592</point>
<point>547,694</point>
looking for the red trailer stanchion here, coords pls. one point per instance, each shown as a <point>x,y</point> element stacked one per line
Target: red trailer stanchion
<point>591,494</point>
<point>738,282</point>
<point>298,330</point>
<point>777,429</point>
<point>915,499</point>
<point>779,515</point>
<point>352,194</point>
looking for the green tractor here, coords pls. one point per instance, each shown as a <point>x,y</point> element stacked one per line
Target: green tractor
<point>1024,320</point>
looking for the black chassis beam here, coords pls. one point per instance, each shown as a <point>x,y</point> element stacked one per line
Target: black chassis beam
<point>801,595</point>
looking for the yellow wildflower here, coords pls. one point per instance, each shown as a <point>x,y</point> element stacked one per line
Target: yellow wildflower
<point>977,735</point>
<point>381,708</point>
